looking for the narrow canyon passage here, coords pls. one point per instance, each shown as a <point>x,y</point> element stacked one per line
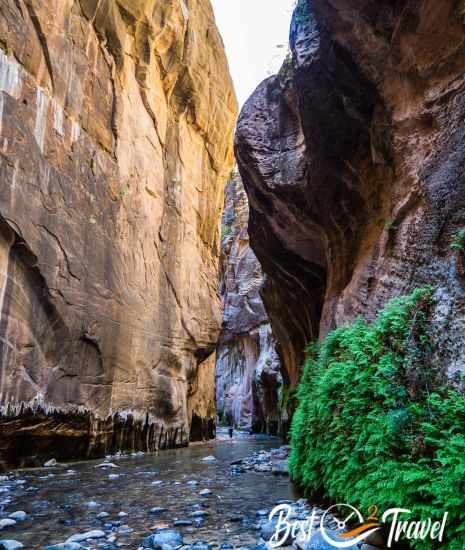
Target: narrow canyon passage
<point>232,274</point>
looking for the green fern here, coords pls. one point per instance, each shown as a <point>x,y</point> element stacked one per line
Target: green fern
<point>365,434</point>
<point>458,240</point>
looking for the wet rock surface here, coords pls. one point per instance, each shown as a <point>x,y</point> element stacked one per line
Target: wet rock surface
<point>273,461</point>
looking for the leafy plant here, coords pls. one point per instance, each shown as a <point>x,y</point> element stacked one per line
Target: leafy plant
<point>458,240</point>
<point>233,174</point>
<point>369,429</point>
<point>390,226</point>
<point>225,231</point>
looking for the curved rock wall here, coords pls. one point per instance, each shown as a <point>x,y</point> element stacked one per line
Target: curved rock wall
<point>116,121</point>
<point>353,159</point>
<point>248,379</point>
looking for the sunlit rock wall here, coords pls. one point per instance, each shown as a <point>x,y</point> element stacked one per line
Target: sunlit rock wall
<point>116,122</point>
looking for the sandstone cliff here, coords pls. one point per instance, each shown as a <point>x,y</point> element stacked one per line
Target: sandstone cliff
<point>248,379</point>
<point>353,160</point>
<point>116,122</point>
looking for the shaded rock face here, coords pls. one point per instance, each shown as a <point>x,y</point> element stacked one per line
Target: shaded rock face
<point>116,123</point>
<point>248,379</point>
<point>353,160</point>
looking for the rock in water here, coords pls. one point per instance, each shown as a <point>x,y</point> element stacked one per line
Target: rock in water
<point>50,463</point>
<point>18,516</point>
<point>157,510</point>
<point>113,169</point>
<point>169,537</point>
<point>279,468</point>
<point>92,504</point>
<point>10,545</point>
<point>317,542</point>
<point>90,535</point>
<point>106,465</point>
<point>66,546</point>
<point>4,523</point>
<point>199,545</point>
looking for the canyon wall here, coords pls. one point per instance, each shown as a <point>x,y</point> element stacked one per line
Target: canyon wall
<point>116,121</point>
<point>353,161</point>
<point>248,379</point>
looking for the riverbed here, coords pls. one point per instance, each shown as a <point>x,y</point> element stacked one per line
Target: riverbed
<point>206,500</point>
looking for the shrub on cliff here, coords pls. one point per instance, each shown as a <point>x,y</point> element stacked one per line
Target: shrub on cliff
<point>375,426</point>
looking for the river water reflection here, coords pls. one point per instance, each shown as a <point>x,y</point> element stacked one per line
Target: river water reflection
<point>62,501</point>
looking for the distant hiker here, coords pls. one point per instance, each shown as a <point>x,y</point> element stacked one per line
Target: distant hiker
<point>230,430</point>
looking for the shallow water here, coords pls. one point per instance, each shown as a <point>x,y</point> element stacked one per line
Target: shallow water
<point>57,500</point>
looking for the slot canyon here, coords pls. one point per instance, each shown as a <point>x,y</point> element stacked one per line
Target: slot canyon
<point>211,307</point>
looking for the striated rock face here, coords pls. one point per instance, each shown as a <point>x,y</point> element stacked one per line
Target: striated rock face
<point>116,121</point>
<point>248,378</point>
<point>353,160</point>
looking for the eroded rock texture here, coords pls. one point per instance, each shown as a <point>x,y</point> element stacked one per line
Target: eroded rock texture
<point>248,378</point>
<point>116,122</point>
<point>353,160</point>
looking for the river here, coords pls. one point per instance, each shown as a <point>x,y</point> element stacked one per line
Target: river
<point>66,500</point>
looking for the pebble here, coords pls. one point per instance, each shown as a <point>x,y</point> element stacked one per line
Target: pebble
<point>209,458</point>
<point>199,514</point>
<point>159,482</point>
<point>4,523</point>
<point>122,514</point>
<point>81,537</point>
<point>183,523</point>
<point>125,530</point>
<point>113,476</point>
<point>205,493</point>
<point>199,545</point>
<point>157,510</point>
<point>50,463</point>
<point>106,465</point>
<point>317,542</point>
<point>66,546</point>
<point>92,504</point>
<point>274,461</point>
<point>169,537</point>
<point>103,515</point>
<point>18,516</point>
<point>10,544</point>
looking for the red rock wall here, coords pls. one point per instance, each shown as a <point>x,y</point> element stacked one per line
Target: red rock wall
<point>116,139</point>
<point>353,160</point>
